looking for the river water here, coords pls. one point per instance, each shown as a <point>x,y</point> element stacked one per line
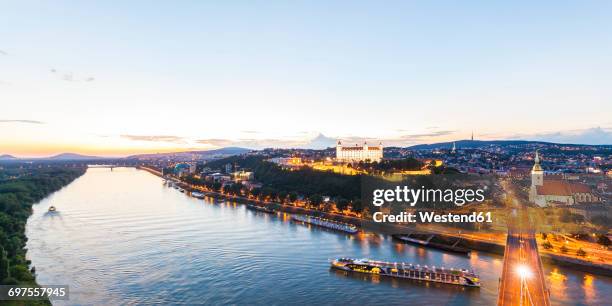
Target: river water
<point>122,237</point>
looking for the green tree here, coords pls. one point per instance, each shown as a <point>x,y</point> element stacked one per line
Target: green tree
<point>315,200</point>
<point>282,196</point>
<point>4,265</point>
<point>342,204</point>
<point>293,197</point>
<point>256,192</point>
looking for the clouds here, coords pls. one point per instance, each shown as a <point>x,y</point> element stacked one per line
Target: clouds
<point>155,138</point>
<point>26,121</point>
<point>70,77</point>
<point>321,141</point>
<point>3,53</point>
<point>253,143</point>
<point>217,142</point>
<point>594,136</point>
<point>427,135</point>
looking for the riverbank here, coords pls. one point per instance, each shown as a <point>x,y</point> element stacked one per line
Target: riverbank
<point>17,195</point>
<point>489,246</point>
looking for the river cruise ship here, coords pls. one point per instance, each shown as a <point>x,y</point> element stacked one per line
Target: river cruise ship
<point>404,270</point>
<point>335,225</point>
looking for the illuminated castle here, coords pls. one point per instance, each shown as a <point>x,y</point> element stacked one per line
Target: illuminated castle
<point>359,153</point>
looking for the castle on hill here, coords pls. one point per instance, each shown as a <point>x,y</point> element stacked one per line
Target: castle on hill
<point>359,153</point>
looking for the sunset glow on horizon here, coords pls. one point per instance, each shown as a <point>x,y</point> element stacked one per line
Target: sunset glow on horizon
<point>207,75</point>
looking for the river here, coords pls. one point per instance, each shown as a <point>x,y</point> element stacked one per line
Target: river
<point>122,237</point>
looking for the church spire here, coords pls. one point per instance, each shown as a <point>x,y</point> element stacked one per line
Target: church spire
<point>536,165</point>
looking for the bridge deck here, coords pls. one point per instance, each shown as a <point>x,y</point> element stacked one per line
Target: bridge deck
<point>523,281</point>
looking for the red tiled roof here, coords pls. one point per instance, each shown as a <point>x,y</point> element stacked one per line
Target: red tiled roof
<point>562,188</point>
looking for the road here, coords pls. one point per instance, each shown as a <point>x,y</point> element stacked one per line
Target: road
<point>523,281</point>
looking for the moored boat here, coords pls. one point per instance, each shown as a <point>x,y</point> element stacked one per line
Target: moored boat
<point>335,225</point>
<point>197,194</point>
<point>408,271</point>
<point>52,208</point>
<point>261,208</point>
<point>436,245</point>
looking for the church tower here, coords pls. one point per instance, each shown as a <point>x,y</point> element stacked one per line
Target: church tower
<point>537,179</point>
<point>339,150</point>
<point>537,173</point>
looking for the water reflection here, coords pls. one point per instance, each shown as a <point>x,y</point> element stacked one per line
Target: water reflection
<point>137,241</point>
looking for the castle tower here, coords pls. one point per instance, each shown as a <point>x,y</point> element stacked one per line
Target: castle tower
<point>339,150</point>
<point>454,149</point>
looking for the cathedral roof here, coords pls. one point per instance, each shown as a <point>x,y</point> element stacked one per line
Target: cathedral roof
<point>562,188</point>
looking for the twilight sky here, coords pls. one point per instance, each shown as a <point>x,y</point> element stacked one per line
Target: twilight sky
<point>114,78</point>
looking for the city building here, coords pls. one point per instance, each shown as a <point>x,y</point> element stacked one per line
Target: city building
<point>287,162</point>
<point>359,153</point>
<point>545,192</point>
<point>217,177</point>
<point>242,176</point>
<point>183,169</point>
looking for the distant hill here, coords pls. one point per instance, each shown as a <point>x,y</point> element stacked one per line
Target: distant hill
<point>474,144</point>
<point>226,150</point>
<point>71,156</point>
<point>207,154</point>
<point>7,157</point>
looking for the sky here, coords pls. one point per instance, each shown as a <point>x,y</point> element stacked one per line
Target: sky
<point>113,78</point>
